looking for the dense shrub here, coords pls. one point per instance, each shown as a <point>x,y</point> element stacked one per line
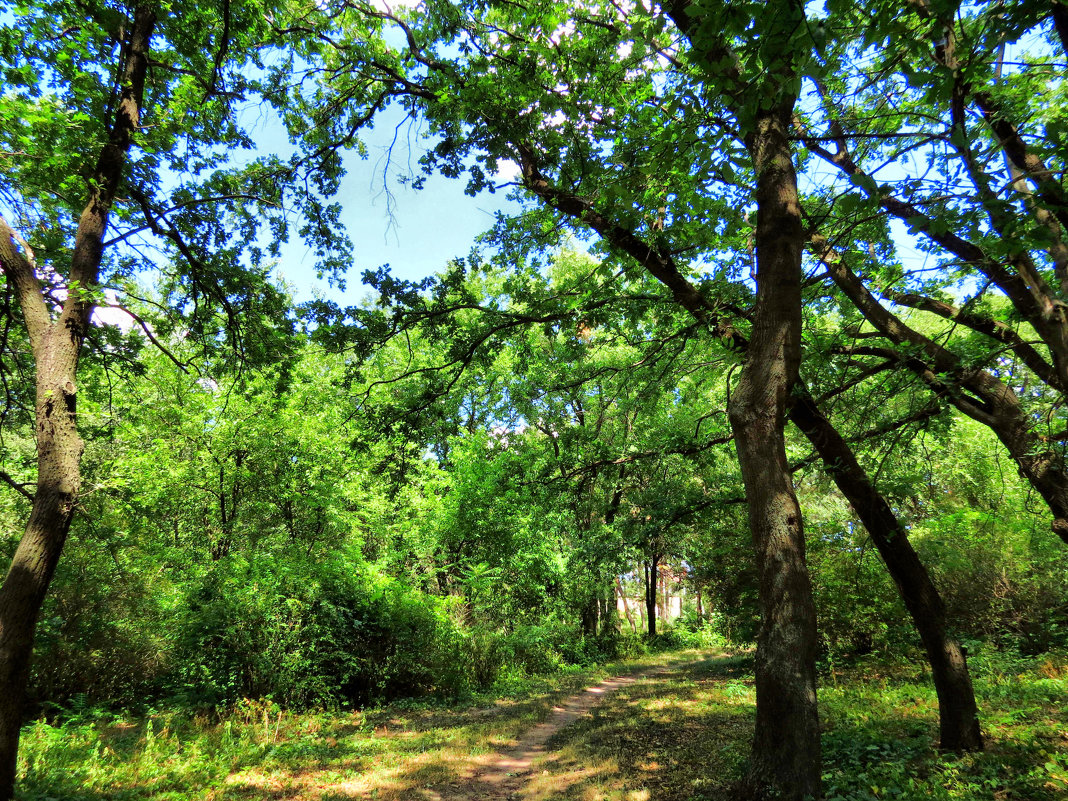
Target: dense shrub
<point>102,636</point>
<point>533,650</point>
<point>329,636</point>
<point>526,649</point>
<point>1000,582</point>
<point>858,609</point>
<point>691,631</point>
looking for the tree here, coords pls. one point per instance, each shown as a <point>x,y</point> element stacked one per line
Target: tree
<point>986,209</point>
<point>122,125</point>
<point>786,747</point>
<point>587,404</point>
<point>551,135</point>
<point>56,345</point>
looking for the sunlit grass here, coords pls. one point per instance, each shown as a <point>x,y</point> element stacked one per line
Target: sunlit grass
<point>685,737</point>
<point>257,751</point>
<point>681,735</point>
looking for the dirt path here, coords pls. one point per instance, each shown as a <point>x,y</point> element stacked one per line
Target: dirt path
<point>510,773</point>
<point>503,775</point>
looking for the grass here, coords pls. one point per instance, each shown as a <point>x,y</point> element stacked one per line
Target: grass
<point>258,751</point>
<point>683,735</point>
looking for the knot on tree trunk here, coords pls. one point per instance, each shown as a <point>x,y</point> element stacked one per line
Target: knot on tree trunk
<point>1060,527</point>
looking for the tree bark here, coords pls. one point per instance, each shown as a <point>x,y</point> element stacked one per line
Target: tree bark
<point>652,575</point>
<point>56,350</point>
<point>22,593</point>
<point>590,617</point>
<point>785,760</point>
<point>957,710</point>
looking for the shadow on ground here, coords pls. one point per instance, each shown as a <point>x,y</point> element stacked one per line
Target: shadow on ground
<point>680,735</point>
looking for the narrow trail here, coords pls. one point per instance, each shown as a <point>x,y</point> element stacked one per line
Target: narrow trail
<point>446,773</point>
<point>504,774</point>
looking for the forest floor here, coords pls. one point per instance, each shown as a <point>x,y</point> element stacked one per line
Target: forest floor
<point>667,728</point>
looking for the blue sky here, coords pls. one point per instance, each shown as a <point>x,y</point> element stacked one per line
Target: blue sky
<point>416,234</point>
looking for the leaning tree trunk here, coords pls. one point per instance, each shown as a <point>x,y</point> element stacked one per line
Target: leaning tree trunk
<point>59,450</point>
<point>56,346</point>
<point>785,762</point>
<point>957,710</point>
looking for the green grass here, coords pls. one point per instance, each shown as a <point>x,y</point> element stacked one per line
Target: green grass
<point>258,751</point>
<point>681,735</point>
<point>685,737</point>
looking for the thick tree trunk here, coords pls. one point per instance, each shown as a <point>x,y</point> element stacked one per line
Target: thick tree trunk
<point>56,348</point>
<point>23,591</point>
<point>785,762</point>
<point>958,713</point>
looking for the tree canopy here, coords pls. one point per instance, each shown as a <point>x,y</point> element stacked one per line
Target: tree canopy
<point>788,267</point>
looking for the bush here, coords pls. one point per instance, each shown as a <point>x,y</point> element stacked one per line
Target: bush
<point>101,639</point>
<point>536,650</point>
<point>690,631</point>
<point>327,636</point>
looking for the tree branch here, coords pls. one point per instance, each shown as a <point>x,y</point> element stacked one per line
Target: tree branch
<point>19,269</point>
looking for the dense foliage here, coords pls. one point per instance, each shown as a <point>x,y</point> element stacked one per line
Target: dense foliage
<point>275,535</point>
<point>776,352</point>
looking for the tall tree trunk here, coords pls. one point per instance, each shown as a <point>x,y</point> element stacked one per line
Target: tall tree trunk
<point>58,478</point>
<point>56,349</point>
<point>652,574</point>
<point>785,762</point>
<point>957,710</point>
<point>589,617</point>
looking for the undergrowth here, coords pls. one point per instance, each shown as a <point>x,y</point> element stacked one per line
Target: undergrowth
<point>682,735</point>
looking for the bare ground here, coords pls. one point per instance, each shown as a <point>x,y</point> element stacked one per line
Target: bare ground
<point>514,771</point>
<point>504,774</point>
